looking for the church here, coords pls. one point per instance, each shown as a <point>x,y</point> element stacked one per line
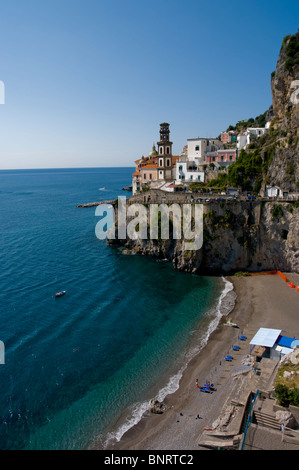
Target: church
<point>159,167</point>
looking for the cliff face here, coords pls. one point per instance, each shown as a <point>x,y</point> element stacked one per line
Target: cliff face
<point>238,236</point>
<point>284,167</point>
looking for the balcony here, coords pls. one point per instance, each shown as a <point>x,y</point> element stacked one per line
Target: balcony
<point>191,168</point>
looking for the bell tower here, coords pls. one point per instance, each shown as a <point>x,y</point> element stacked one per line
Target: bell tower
<point>164,153</point>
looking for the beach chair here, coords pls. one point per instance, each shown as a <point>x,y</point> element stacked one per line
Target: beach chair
<point>212,388</point>
<point>207,388</point>
<point>229,358</point>
<point>236,348</point>
<point>242,338</point>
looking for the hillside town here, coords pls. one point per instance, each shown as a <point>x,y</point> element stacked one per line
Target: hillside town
<point>200,161</point>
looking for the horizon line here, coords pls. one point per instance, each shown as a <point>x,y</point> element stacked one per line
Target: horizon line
<point>65,168</point>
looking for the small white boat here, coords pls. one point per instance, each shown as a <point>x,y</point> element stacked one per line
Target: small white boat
<point>230,323</point>
<point>60,294</point>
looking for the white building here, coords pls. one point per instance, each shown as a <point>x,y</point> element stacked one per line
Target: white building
<point>269,342</point>
<point>273,191</point>
<point>187,172</point>
<point>244,139</point>
<point>277,192</point>
<point>258,131</point>
<point>197,148</point>
<point>241,141</point>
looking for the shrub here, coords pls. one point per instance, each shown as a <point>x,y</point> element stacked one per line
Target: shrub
<point>277,211</point>
<point>287,396</point>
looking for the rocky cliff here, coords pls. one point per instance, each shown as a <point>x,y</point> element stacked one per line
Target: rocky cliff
<point>238,236</point>
<point>284,131</point>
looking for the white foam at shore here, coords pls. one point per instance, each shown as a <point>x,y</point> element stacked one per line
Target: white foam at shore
<point>224,307</point>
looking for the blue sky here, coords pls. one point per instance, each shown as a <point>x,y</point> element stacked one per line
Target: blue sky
<point>87,83</point>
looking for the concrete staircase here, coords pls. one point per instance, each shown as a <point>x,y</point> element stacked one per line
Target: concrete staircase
<point>267,419</point>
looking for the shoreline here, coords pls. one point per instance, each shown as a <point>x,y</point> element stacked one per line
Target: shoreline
<point>259,302</point>
<point>222,305</point>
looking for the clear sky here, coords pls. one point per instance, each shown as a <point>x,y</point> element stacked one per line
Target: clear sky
<point>87,83</point>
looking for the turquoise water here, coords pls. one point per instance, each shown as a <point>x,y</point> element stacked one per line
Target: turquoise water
<point>84,366</point>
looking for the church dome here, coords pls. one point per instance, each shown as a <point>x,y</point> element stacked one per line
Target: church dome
<point>154,151</point>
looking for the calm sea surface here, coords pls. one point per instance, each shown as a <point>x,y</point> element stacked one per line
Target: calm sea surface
<point>84,366</point>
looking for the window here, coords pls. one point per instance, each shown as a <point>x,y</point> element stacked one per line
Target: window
<point>197,148</point>
<point>144,176</point>
<point>180,168</point>
<point>191,177</point>
<point>230,157</point>
<point>168,162</point>
<point>161,162</point>
<point>222,158</point>
<point>198,177</point>
<point>213,159</point>
<point>167,150</point>
<point>161,150</point>
<point>150,176</point>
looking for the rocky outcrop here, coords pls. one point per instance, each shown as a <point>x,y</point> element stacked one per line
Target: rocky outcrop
<point>94,204</point>
<point>238,236</point>
<point>157,407</point>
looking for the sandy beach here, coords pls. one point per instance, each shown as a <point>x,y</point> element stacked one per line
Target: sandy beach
<point>262,301</point>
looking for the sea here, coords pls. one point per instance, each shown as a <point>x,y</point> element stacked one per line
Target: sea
<point>80,370</point>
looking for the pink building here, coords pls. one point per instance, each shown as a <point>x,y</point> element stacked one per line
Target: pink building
<point>228,137</point>
<point>222,156</point>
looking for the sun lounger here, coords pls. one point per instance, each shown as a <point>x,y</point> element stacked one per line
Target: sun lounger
<point>229,358</point>
<point>242,338</point>
<point>205,389</point>
<point>236,348</point>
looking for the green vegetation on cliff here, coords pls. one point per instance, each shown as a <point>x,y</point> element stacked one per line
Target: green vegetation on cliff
<point>290,45</point>
<point>259,121</point>
<point>248,172</point>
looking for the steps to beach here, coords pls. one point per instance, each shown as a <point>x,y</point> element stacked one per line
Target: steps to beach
<point>266,419</point>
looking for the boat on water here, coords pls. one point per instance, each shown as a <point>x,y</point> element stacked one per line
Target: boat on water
<point>60,294</point>
<point>230,323</point>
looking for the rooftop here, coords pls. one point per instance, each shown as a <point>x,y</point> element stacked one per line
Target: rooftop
<point>203,138</point>
<point>265,337</point>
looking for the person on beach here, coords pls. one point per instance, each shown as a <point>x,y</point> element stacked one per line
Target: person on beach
<point>196,383</point>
